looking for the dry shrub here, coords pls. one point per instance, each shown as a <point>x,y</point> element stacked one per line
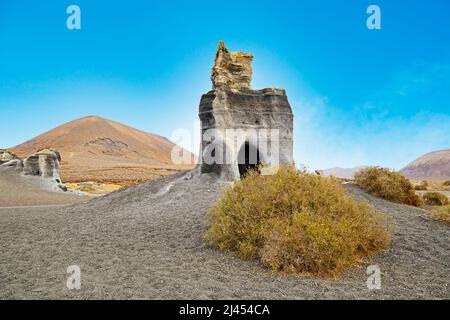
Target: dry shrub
<point>388,185</point>
<point>446,183</point>
<point>435,199</point>
<point>423,186</point>
<point>441,213</point>
<point>296,222</point>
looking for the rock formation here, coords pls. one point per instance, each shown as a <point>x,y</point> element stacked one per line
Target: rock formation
<point>261,120</point>
<point>43,164</point>
<point>6,156</point>
<point>232,70</point>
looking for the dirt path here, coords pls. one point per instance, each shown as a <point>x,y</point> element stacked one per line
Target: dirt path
<point>146,242</point>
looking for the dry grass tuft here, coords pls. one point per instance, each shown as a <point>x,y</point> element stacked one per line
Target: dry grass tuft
<point>388,185</point>
<point>441,214</point>
<point>296,222</point>
<point>435,199</point>
<point>423,186</point>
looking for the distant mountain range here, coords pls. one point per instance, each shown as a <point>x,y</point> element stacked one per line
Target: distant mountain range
<point>431,166</point>
<point>344,173</point>
<point>97,149</point>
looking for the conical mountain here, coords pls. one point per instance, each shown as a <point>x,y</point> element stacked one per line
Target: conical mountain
<point>98,149</point>
<point>431,166</point>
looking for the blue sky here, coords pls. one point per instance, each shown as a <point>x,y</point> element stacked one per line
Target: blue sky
<point>360,97</point>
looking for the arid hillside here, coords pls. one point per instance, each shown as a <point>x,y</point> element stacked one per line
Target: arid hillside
<point>101,150</point>
<point>431,166</point>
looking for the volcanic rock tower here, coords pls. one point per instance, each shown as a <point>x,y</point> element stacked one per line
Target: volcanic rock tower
<point>242,128</point>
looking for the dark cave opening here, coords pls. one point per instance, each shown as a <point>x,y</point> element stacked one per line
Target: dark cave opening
<point>248,159</point>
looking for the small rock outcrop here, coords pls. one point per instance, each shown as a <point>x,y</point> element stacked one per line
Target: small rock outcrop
<point>43,164</point>
<point>232,106</point>
<point>232,70</point>
<point>6,156</point>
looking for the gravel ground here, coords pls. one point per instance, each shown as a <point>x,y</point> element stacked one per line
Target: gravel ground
<point>146,242</point>
<point>18,190</point>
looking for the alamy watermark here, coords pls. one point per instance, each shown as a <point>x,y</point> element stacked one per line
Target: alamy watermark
<point>73,21</point>
<point>74,280</point>
<point>374,280</point>
<point>374,20</point>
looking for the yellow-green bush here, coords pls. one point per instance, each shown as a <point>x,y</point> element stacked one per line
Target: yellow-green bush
<point>435,199</point>
<point>388,185</point>
<point>423,186</point>
<point>441,213</point>
<point>296,222</point>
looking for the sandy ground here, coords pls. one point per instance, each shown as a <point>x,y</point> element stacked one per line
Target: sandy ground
<point>94,188</point>
<point>25,191</point>
<point>111,172</point>
<point>146,242</point>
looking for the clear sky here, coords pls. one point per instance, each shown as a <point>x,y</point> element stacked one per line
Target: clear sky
<point>360,96</point>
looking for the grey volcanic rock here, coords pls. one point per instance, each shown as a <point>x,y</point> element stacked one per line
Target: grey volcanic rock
<point>44,165</point>
<point>431,166</point>
<point>240,127</point>
<point>6,156</point>
<point>146,242</point>
<point>50,151</point>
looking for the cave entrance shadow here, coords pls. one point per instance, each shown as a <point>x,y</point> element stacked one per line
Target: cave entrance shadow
<point>249,158</point>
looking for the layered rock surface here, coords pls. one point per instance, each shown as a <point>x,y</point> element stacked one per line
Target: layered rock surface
<point>232,104</point>
<point>43,164</point>
<point>232,70</point>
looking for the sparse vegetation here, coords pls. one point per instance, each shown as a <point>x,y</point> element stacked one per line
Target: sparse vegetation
<point>388,184</point>
<point>94,187</point>
<point>423,186</point>
<point>446,183</point>
<point>435,199</point>
<point>296,222</point>
<point>441,213</point>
